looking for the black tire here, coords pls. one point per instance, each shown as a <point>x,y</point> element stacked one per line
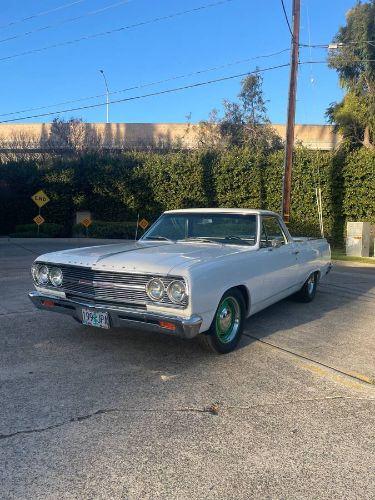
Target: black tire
<point>308,291</point>
<point>231,311</point>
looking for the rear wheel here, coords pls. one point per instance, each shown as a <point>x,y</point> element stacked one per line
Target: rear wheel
<point>308,291</point>
<point>227,326</point>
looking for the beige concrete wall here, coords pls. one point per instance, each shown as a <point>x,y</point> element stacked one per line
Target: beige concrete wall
<point>312,136</point>
<point>25,135</point>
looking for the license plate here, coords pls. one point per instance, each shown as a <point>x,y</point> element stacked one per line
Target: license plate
<point>95,318</point>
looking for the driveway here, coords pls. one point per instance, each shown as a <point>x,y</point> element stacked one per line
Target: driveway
<point>88,413</point>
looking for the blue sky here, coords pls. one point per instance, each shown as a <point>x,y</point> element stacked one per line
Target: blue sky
<point>216,36</point>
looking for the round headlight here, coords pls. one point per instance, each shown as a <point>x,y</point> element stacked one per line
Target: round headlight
<point>34,272</point>
<point>155,289</point>
<point>177,291</point>
<point>56,276</point>
<point>42,275</point>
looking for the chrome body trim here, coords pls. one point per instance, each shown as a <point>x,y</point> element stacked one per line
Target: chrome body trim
<point>121,287</point>
<point>126,317</point>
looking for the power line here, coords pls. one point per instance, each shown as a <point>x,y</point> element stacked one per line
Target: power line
<point>161,92</point>
<point>148,84</point>
<point>168,91</point>
<point>39,14</point>
<point>65,21</point>
<point>325,62</point>
<point>286,17</point>
<point>117,30</point>
<point>335,45</point>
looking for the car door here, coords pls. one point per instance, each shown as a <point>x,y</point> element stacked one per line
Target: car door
<point>278,258</point>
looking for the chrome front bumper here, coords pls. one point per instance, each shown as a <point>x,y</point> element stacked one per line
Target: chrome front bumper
<point>120,316</point>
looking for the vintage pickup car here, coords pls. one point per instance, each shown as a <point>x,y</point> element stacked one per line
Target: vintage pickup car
<point>195,271</point>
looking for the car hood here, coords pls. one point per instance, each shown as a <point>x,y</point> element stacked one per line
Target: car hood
<point>142,257</point>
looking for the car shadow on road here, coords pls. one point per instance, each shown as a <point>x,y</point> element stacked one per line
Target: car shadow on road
<point>280,318</point>
<point>332,308</point>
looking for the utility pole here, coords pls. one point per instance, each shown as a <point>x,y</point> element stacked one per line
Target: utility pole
<point>107,93</point>
<point>289,143</point>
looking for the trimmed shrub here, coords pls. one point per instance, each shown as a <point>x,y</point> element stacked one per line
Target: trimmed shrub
<point>103,230</point>
<point>310,170</point>
<point>175,180</point>
<point>117,187</point>
<point>236,177</point>
<point>46,230</point>
<point>28,234</point>
<point>359,186</point>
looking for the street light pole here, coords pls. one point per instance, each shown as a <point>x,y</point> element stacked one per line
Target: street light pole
<point>107,93</point>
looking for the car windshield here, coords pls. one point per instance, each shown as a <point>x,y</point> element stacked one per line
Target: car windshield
<point>235,229</point>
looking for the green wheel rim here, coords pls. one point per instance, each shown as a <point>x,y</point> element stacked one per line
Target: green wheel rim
<point>311,284</point>
<point>227,321</point>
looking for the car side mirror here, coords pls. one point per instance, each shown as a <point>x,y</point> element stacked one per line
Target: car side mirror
<point>276,243</point>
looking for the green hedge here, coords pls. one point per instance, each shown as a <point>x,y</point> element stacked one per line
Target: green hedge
<point>102,229</point>
<point>311,169</point>
<point>359,186</point>
<point>117,188</point>
<point>236,178</point>
<point>46,230</point>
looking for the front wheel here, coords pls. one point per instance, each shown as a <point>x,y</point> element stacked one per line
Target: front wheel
<point>227,326</point>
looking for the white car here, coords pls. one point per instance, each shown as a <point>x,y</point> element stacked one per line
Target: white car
<point>195,271</point>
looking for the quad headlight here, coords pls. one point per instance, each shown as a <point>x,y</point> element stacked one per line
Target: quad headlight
<point>155,289</point>
<point>176,291</point>
<point>55,276</point>
<point>43,275</point>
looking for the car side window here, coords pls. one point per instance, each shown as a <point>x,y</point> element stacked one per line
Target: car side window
<point>271,234</point>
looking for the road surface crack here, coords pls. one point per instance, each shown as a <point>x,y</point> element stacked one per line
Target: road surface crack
<point>59,424</point>
<point>213,409</point>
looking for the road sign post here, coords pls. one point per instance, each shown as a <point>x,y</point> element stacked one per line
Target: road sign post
<point>40,199</point>
<point>39,220</point>
<point>86,222</point>
<point>142,224</point>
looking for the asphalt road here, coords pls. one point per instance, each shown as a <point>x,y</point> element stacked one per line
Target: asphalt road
<point>91,414</point>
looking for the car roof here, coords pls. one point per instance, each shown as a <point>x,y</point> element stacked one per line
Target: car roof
<point>242,211</point>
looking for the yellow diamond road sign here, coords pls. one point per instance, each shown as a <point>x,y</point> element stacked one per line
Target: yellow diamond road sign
<point>38,220</point>
<point>40,198</point>
<point>86,222</point>
<point>143,223</point>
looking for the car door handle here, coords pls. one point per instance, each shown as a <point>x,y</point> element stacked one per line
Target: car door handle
<point>295,252</point>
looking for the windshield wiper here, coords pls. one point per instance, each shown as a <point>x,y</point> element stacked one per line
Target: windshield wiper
<point>160,238</point>
<point>236,238</point>
<point>201,238</point>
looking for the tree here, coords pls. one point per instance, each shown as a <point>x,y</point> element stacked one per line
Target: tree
<point>73,135</point>
<point>244,123</point>
<point>68,134</point>
<point>354,60</point>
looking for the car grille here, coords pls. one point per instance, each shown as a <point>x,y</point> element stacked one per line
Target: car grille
<point>112,287</point>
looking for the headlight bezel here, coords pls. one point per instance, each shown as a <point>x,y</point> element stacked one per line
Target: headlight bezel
<point>34,272</point>
<point>53,279</point>
<point>41,281</point>
<point>48,280</point>
<point>166,298</point>
<point>184,293</point>
<point>162,287</point>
